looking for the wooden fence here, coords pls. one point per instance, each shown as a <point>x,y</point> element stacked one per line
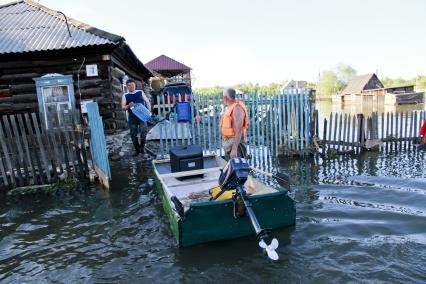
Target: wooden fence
<point>30,154</point>
<point>353,133</point>
<point>98,145</point>
<point>276,121</point>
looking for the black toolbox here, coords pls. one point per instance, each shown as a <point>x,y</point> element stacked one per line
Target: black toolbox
<point>186,158</point>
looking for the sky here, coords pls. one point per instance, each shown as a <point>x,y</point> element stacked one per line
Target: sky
<point>227,42</point>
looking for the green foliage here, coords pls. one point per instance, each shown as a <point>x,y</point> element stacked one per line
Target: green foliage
<point>332,81</point>
<point>329,83</point>
<point>48,189</point>
<point>345,73</point>
<point>419,82</point>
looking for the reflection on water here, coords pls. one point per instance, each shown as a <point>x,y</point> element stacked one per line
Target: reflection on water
<point>359,218</point>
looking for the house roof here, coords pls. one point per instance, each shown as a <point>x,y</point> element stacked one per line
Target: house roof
<point>357,84</point>
<point>26,26</point>
<point>165,63</point>
<point>295,85</point>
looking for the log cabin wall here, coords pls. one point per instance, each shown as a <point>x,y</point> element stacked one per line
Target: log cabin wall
<point>18,89</point>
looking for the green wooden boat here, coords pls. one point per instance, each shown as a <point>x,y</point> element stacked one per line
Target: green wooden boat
<point>199,220</point>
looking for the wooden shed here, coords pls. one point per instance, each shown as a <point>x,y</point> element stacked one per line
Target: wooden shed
<point>36,41</point>
<point>170,69</point>
<point>356,86</point>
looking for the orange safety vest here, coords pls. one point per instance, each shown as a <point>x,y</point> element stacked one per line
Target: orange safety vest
<point>226,121</point>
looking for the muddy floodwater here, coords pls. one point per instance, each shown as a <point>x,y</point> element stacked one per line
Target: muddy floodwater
<point>359,219</point>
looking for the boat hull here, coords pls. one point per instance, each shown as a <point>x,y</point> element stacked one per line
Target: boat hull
<point>213,221</point>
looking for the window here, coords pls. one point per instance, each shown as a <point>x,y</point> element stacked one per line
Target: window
<point>56,99</point>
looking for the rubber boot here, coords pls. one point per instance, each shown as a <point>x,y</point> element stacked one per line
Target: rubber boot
<point>137,149</point>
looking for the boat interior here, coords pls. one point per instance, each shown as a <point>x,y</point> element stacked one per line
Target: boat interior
<point>189,189</point>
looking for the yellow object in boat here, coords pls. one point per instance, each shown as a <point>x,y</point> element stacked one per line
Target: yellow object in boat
<point>225,195</point>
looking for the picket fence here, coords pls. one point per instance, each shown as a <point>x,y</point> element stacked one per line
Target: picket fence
<point>276,121</point>
<point>351,133</point>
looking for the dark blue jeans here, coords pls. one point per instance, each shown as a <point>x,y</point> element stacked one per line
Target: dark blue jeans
<point>140,128</point>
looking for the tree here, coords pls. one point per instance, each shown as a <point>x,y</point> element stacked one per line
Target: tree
<point>332,81</point>
<point>329,83</point>
<point>345,72</point>
<point>420,82</point>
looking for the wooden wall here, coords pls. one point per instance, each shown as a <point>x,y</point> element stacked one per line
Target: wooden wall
<point>18,90</point>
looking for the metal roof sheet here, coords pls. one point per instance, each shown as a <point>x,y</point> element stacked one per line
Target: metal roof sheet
<point>26,26</point>
<point>165,63</point>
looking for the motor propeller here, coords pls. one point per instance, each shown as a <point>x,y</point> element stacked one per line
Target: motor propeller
<point>270,249</point>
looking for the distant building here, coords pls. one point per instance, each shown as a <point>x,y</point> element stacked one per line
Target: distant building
<point>370,87</point>
<point>36,41</point>
<point>292,84</point>
<point>169,69</point>
<point>357,84</point>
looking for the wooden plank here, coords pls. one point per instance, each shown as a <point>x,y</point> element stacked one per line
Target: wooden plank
<point>67,145</point>
<point>72,156</point>
<point>411,134</point>
<point>47,137</point>
<point>191,173</point>
<point>391,131</point>
<point>64,146</point>
<point>193,115</point>
<point>209,125</point>
<point>345,126</point>
<point>335,128</point>
<point>353,131</point>
<point>330,131</point>
<point>387,125</point>
<point>78,152</point>
<point>382,126</point>
<point>6,152</point>
<point>84,156</point>
<point>14,157</point>
<point>396,125</point>
<point>41,147</point>
<point>18,141</point>
<point>56,146</point>
<point>401,121</point>
<point>309,128</point>
<point>166,125</point>
<point>324,137</point>
<point>416,132</point>
<point>35,147</point>
<point>406,129</point>
<point>3,173</point>
<point>26,147</point>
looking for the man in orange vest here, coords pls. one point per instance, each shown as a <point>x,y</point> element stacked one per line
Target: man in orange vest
<point>233,125</point>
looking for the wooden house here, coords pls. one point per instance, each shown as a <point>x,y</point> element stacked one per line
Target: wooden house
<point>170,70</point>
<point>368,88</point>
<point>353,91</point>
<point>41,48</point>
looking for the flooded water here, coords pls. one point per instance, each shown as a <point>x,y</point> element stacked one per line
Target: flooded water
<point>359,219</point>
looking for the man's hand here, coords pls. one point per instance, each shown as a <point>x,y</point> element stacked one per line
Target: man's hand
<point>131,104</point>
<point>233,153</point>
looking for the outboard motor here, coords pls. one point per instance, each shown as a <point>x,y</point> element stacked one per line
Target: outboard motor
<point>234,174</point>
<point>233,177</point>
